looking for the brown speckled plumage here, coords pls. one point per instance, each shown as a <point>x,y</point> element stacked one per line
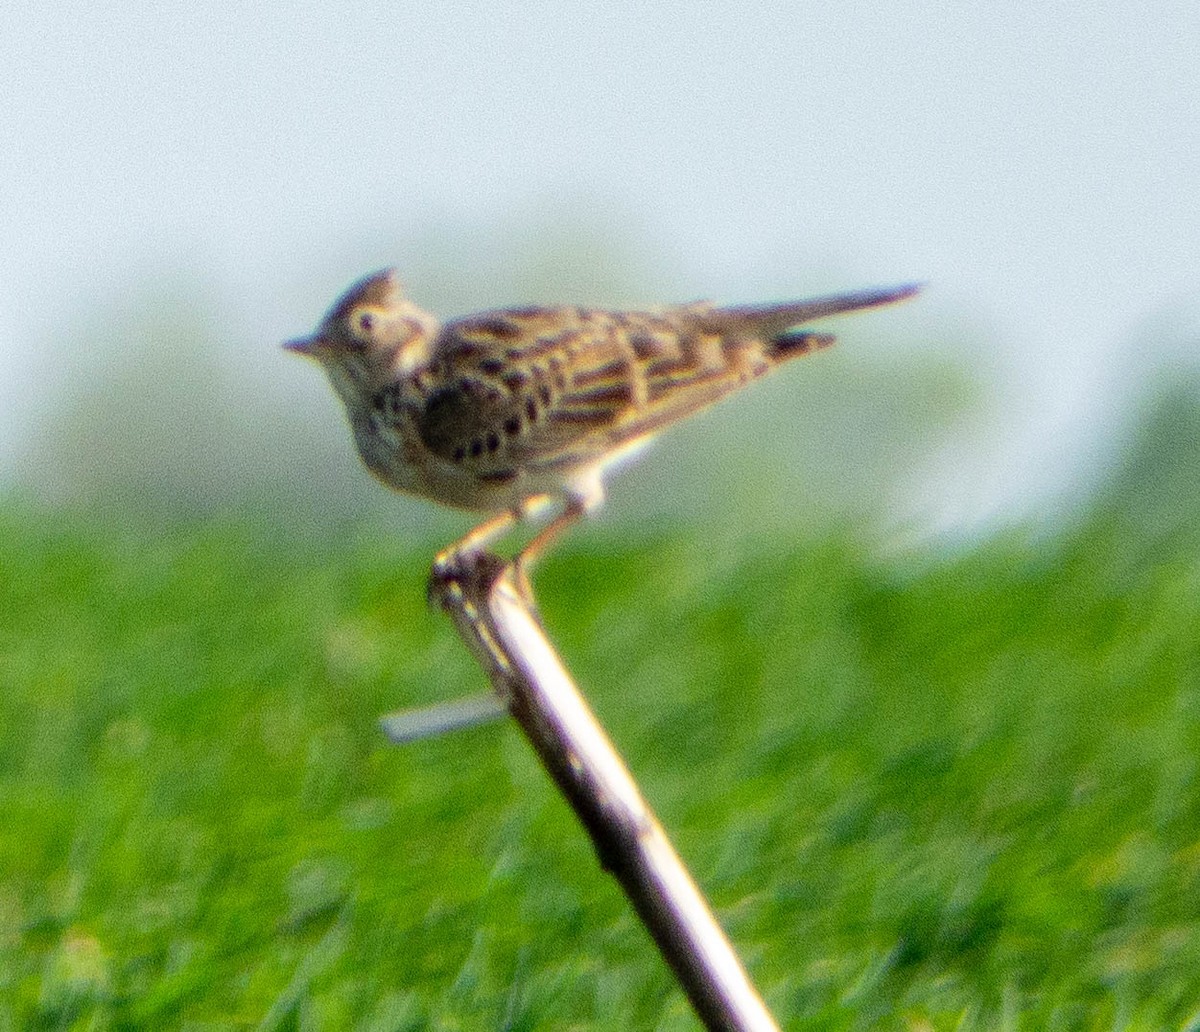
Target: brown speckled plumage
<point>499,409</point>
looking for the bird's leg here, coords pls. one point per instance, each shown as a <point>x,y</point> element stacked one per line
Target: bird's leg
<point>572,510</point>
<point>448,563</point>
<point>477,538</point>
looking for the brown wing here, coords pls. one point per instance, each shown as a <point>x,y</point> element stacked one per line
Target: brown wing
<point>513,389</point>
<point>556,388</point>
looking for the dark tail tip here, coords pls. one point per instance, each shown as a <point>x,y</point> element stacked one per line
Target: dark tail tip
<point>795,343</point>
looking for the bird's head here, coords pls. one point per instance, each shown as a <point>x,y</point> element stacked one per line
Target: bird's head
<point>371,334</point>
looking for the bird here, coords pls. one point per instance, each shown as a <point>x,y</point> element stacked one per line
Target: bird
<point>507,411</point>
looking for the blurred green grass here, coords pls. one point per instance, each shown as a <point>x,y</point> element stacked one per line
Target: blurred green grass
<point>949,792</point>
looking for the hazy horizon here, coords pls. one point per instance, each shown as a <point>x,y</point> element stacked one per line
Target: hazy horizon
<point>1037,168</point>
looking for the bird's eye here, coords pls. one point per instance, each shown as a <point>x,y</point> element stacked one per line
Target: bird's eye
<point>365,323</point>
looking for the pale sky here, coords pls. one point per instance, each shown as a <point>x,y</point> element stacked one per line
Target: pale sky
<point>1037,164</point>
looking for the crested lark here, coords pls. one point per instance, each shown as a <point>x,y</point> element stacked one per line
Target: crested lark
<point>502,411</point>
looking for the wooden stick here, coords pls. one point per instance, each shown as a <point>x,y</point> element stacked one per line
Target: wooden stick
<point>499,624</point>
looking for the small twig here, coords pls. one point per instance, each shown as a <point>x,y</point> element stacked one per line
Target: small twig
<point>426,721</point>
<point>496,621</point>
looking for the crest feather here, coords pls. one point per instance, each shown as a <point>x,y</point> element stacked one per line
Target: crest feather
<point>379,290</point>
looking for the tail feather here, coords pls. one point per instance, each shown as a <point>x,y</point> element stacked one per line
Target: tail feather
<point>699,355</point>
<point>771,321</point>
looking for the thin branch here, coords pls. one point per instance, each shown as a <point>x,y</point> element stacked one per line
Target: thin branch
<point>497,622</point>
<point>409,725</point>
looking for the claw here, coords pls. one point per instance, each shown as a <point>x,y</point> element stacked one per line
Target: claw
<point>457,572</point>
<point>524,586</point>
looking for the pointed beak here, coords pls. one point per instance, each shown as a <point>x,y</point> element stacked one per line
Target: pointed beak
<point>306,346</point>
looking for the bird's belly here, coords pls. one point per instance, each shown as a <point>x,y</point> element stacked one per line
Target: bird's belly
<point>431,477</point>
<point>422,473</point>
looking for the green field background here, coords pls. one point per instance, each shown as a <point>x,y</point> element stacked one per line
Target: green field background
<point>923,788</point>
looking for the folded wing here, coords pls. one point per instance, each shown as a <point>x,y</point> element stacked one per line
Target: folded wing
<point>532,389</point>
